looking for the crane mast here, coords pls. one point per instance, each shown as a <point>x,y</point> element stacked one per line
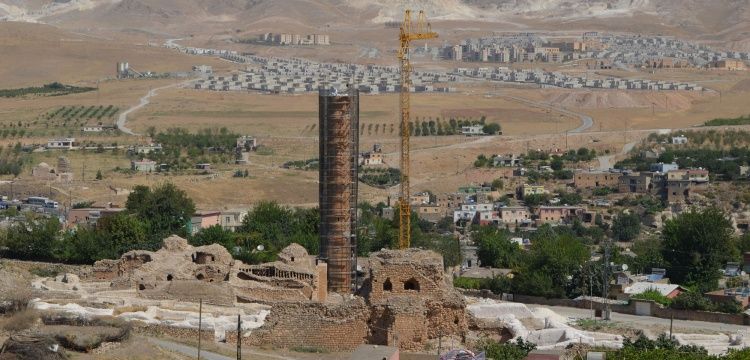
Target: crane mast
<point>420,30</point>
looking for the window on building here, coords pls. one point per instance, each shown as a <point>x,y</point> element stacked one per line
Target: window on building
<point>387,285</point>
<point>411,284</point>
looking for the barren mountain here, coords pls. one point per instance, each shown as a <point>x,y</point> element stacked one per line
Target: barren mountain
<point>720,20</point>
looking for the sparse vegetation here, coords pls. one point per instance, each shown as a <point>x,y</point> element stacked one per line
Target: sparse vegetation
<point>309,164</point>
<point>742,120</point>
<point>380,177</point>
<point>51,89</point>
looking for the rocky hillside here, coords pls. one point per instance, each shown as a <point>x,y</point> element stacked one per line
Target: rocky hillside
<point>724,20</point>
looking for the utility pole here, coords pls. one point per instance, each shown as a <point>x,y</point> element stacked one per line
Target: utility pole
<point>200,320</point>
<point>605,292</point>
<point>671,321</point>
<point>239,337</point>
<point>591,293</point>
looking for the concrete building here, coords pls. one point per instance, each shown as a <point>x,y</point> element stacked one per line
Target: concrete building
<point>457,53</point>
<point>204,219</point>
<point>639,183</point>
<point>596,179</point>
<point>679,140</point>
<point>247,142</point>
<point>145,149</point>
<point>232,219</point>
<point>89,216</point>
<point>473,130</point>
<point>62,143</point>
<point>428,212</point>
<point>730,65</point>
<point>663,168</point>
<point>680,184</point>
<point>421,198</point>
<point>507,160</point>
<point>144,165</point>
<point>373,157</point>
<point>450,201</point>
<point>559,214</point>
<point>514,215</point>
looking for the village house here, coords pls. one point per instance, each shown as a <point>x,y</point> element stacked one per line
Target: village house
<point>558,214</point>
<point>663,168</point>
<point>514,215</point>
<point>507,160</point>
<point>64,143</point>
<point>482,214</point>
<point>420,198</point>
<point>248,143</point>
<point>428,212</point>
<point>670,291</point>
<point>679,140</point>
<point>90,215</point>
<point>144,165</point>
<point>145,149</point>
<point>639,183</point>
<point>450,201</point>
<point>681,183</point>
<point>204,219</point>
<point>473,130</point>
<point>596,179</point>
<point>741,295</point>
<point>373,157</point>
<point>232,219</point>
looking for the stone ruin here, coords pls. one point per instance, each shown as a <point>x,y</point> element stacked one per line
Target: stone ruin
<point>179,271</point>
<point>405,299</point>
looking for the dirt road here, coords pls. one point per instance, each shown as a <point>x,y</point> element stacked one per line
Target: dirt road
<point>123,118</point>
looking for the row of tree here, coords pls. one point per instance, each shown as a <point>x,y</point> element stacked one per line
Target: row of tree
<point>52,89</point>
<point>693,248</point>
<point>151,214</point>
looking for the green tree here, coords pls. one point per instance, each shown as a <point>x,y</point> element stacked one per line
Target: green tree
<point>214,235</point>
<point>557,163</point>
<point>696,244</point>
<point>626,227</point>
<point>491,129</point>
<point>34,239</point>
<point>495,249</point>
<point>498,184</point>
<point>517,350</point>
<point>99,175</point>
<point>166,209</point>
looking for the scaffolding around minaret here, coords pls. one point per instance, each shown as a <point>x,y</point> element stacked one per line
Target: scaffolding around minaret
<point>338,157</point>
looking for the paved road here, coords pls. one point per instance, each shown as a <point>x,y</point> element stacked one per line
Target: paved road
<point>187,350</point>
<point>651,324</point>
<point>586,121</point>
<point>193,352</point>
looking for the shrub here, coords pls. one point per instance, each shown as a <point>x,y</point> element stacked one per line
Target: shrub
<point>22,320</point>
<point>654,296</point>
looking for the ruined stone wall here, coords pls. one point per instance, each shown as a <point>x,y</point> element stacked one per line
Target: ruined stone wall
<point>408,322</point>
<point>269,295</point>
<point>339,327</point>
<point>446,318</point>
<point>191,291</point>
<point>403,279</point>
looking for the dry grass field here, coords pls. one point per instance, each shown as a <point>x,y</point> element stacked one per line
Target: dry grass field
<point>287,124</point>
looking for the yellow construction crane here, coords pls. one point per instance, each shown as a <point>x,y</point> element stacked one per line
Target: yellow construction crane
<point>420,30</point>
